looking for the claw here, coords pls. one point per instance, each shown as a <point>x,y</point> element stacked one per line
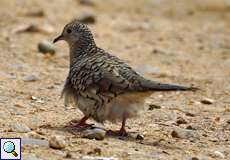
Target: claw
<point>121,133</point>
<point>79,124</point>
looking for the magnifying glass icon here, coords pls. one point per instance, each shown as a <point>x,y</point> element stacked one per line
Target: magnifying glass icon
<point>9,147</point>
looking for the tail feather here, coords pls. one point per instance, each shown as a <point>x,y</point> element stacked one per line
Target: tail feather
<point>155,86</point>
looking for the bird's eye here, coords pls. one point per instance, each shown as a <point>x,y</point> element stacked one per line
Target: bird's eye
<point>69,31</point>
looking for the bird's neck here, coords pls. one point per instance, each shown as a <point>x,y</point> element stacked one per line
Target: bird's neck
<point>80,49</point>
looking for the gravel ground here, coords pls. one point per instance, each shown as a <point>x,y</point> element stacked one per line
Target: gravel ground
<point>180,41</point>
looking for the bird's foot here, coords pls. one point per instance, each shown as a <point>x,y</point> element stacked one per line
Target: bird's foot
<point>121,133</point>
<point>79,125</point>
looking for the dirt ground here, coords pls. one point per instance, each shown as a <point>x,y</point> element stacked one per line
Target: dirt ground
<point>185,41</point>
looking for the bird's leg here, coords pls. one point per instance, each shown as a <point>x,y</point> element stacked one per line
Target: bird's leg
<point>122,132</point>
<point>80,124</point>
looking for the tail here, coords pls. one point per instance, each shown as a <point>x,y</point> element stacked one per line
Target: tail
<point>155,86</point>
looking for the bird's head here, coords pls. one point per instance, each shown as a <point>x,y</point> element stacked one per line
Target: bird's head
<point>76,33</point>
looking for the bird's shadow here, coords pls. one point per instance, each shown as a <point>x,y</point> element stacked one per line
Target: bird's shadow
<point>132,136</point>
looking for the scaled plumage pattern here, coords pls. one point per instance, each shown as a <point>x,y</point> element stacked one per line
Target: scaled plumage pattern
<point>101,85</point>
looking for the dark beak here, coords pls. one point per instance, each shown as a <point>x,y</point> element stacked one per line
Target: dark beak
<point>58,38</point>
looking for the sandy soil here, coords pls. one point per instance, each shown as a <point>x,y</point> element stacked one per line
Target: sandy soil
<point>186,41</point>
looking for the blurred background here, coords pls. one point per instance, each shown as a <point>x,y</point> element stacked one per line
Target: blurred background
<point>175,41</point>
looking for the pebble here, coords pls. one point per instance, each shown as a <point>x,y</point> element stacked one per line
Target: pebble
<point>207,101</point>
<point>34,28</point>
<point>154,106</point>
<point>38,100</point>
<point>190,114</point>
<point>139,137</point>
<point>31,78</point>
<point>193,158</point>
<point>181,120</point>
<point>87,2</point>
<point>20,127</point>
<point>68,155</point>
<point>46,47</point>
<point>95,133</point>
<point>96,151</point>
<point>97,158</point>
<point>57,142</point>
<point>184,133</point>
<point>158,51</point>
<point>193,127</point>
<point>228,121</point>
<point>87,18</point>
<point>218,154</point>
<point>35,135</point>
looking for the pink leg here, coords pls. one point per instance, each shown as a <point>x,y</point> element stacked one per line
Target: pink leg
<point>122,132</point>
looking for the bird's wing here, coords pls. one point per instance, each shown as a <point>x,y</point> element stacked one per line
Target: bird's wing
<point>104,73</point>
<point>109,76</point>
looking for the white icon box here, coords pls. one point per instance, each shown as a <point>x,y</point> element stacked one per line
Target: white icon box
<point>10,148</point>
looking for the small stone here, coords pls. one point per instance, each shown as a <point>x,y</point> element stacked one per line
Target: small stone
<point>190,114</point>
<point>19,105</point>
<point>60,153</point>
<point>181,120</point>
<point>87,18</point>
<point>95,133</point>
<point>207,101</point>
<point>57,142</point>
<point>33,98</point>
<point>217,119</point>
<point>193,158</point>
<point>36,99</point>
<point>20,127</point>
<point>87,2</point>
<point>218,154</point>
<point>34,28</point>
<point>96,151</point>
<point>139,137</point>
<point>194,102</point>
<point>158,51</point>
<point>184,133</point>
<point>227,109</point>
<point>35,135</point>
<point>228,121</point>
<point>69,155</point>
<point>192,127</point>
<point>154,106</point>
<point>31,78</point>
<point>46,47</point>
